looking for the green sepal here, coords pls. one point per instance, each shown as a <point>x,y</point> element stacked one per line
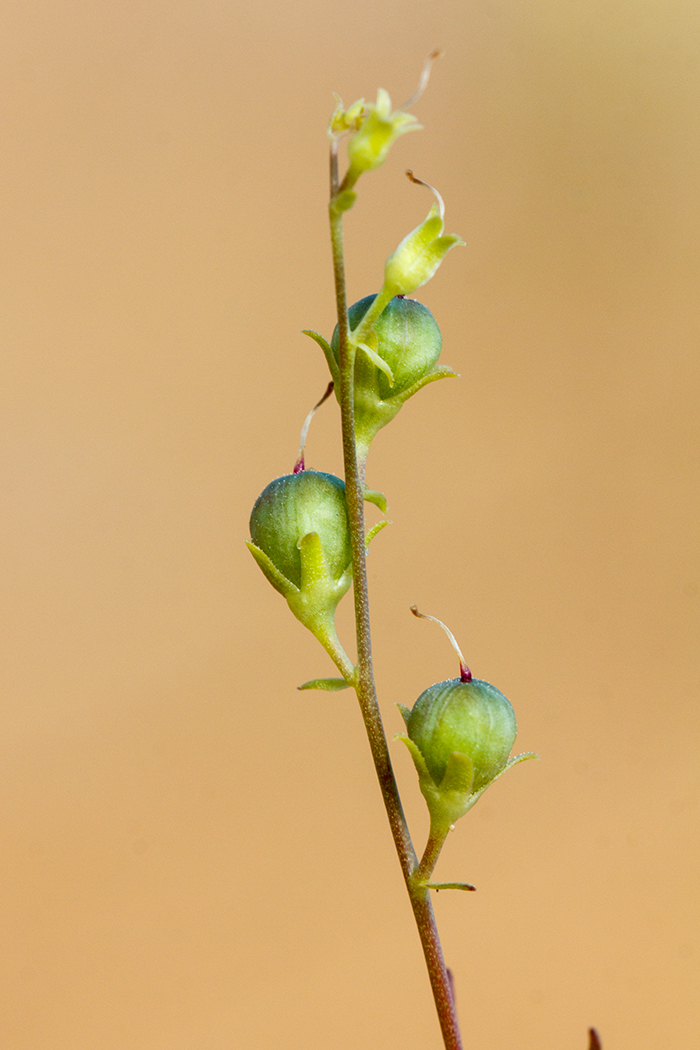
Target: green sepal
<point>380,412</point>
<point>405,713</point>
<point>459,775</point>
<point>438,372</point>
<point>327,353</point>
<point>516,761</point>
<point>329,685</point>
<point>344,120</point>
<point>314,603</point>
<point>418,760</point>
<point>272,573</point>
<point>377,360</point>
<point>445,805</point>
<point>377,498</point>
<point>373,532</point>
<point>521,758</point>
<point>314,569</point>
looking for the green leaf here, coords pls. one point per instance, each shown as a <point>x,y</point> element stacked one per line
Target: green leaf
<point>373,532</point>
<point>449,885</point>
<point>377,498</point>
<point>330,685</point>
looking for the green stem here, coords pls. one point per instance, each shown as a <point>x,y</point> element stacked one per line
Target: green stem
<point>326,634</point>
<point>436,840</point>
<point>364,677</point>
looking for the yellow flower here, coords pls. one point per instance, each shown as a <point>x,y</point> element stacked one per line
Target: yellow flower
<point>369,146</point>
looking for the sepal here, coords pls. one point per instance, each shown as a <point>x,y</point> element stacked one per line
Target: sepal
<point>315,601</point>
<point>405,714</point>
<point>377,360</point>
<point>314,570</point>
<point>438,372</point>
<point>344,120</point>
<point>459,775</point>
<point>271,572</point>
<point>327,352</point>
<point>449,800</point>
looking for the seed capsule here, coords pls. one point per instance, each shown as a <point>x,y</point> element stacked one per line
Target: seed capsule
<point>460,734</point>
<point>472,718</point>
<point>295,505</point>
<point>407,339</point>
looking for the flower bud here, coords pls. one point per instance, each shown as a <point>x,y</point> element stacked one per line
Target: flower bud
<point>292,507</point>
<point>419,255</point>
<point>472,718</point>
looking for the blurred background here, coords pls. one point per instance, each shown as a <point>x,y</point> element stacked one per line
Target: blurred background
<point>194,853</point>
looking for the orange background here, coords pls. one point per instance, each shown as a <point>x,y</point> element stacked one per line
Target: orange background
<point>195,855</point>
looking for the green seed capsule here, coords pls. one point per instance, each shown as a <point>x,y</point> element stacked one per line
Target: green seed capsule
<point>407,338</point>
<point>470,717</point>
<point>295,505</point>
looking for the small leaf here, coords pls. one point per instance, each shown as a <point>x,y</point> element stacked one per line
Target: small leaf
<point>330,685</point>
<point>378,498</point>
<point>449,885</point>
<point>373,532</point>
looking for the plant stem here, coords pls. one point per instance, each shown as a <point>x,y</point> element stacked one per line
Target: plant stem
<point>364,681</point>
<point>436,840</point>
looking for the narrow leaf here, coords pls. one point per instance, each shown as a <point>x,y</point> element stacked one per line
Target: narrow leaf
<point>449,885</point>
<point>330,685</point>
<point>378,498</point>
<point>373,532</point>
